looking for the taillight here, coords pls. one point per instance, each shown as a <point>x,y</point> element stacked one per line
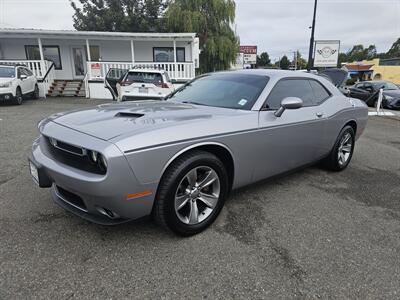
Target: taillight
<point>163,85</point>
<point>125,83</point>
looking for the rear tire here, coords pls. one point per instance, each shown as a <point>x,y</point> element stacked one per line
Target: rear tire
<point>342,151</point>
<point>18,96</point>
<point>191,193</point>
<point>35,94</point>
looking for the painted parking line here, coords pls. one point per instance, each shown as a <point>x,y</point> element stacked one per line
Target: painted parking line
<point>374,113</point>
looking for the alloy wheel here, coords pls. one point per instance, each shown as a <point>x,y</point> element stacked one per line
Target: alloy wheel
<point>345,148</point>
<point>197,195</point>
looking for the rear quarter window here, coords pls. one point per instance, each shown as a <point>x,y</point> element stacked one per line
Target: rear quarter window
<point>320,92</point>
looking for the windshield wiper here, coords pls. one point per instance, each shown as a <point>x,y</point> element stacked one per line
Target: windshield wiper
<point>195,103</point>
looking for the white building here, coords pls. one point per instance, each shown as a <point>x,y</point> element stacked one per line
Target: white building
<point>76,62</point>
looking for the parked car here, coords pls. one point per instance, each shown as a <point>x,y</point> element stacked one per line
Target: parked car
<point>368,91</point>
<point>17,82</point>
<point>139,84</point>
<point>178,159</point>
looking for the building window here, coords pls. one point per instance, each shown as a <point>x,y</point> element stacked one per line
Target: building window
<point>94,53</point>
<point>166,54</point>
<point>51,53</point>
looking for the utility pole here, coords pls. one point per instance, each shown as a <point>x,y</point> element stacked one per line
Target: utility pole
<point>295,60</point>
<point>311,49</point>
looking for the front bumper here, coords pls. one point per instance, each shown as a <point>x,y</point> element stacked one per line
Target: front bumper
<point>6,96</point>
<point>393,104</point>
<point>102,199</point>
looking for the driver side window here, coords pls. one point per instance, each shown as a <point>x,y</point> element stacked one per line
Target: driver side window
<point>290,88</point>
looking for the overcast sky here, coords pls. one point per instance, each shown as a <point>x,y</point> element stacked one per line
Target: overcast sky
<point>276,26</point>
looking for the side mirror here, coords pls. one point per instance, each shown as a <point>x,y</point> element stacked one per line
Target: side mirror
<point>289,103</point>
<point>23,77</point>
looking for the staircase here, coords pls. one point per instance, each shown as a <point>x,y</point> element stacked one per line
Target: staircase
<point>67,88</point>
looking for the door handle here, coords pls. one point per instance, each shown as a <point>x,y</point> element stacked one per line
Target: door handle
<point>319,114</point>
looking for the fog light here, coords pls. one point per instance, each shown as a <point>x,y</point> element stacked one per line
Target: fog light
<point>7,97</point>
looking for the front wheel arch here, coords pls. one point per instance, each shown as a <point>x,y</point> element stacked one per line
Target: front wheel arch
<point>219,150</point>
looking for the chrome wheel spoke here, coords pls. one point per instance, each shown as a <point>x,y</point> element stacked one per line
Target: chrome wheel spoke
<point>208,199</point>
<point>346,148</point>
<point>180,201</point>
<point>194,213</point>
<point>209,179</point>
<point>192,177</point>
<point>346,139</point>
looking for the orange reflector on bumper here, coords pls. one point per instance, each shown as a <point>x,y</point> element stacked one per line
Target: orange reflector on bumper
<point>138,195</point>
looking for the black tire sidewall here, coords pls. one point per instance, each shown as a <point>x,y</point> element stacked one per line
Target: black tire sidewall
<point>172,220</point>
<point>36,92</point>
<point>18,96</point>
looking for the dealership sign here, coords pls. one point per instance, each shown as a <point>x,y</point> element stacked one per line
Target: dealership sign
<point>326,53</point>
<point>249,54</point>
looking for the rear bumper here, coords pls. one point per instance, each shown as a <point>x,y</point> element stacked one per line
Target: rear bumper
<point>102,199</point>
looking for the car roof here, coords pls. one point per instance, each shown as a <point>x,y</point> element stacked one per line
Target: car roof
<point>8,66</point>
<point>273,73</point>
<point>147,70</point>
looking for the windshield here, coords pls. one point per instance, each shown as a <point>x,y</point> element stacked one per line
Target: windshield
<point>230,90</point>
<point>385,86</point>
<point>7,72</point>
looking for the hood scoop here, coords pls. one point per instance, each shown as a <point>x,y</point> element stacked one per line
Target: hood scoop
<point>128,115</point>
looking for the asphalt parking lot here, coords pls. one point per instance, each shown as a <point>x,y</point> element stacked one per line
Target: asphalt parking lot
<point>312,234</point>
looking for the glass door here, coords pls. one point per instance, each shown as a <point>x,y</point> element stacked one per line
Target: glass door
<point>79,62</point>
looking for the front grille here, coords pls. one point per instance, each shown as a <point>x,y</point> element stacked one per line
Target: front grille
<point>67,147</point>
<point>71,198</point>
<point>70,158</point>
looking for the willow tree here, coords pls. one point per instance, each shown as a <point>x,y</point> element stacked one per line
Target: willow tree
<point>212,20</point>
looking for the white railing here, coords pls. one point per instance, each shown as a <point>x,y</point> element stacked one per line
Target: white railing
<point>38,67</point>
<point>176,71</point>
<point>49,79</point>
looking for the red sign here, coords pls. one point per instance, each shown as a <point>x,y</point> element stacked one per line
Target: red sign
<point>248,49</point>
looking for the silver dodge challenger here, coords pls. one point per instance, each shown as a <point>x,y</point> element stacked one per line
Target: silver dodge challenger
<point>177,160</point>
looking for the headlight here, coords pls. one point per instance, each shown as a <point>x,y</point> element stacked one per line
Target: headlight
<point>390,98</point>
<point>93,155</point>
<point>98,159</point>
<point>103,163</point>
<point>5,84</point>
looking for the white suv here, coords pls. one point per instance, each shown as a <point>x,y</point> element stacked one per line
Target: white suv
<point>17,82</point>
<point>143,84</point>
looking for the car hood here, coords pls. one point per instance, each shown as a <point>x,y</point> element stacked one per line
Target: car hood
<point>116,121</point>
<point>5,79</point>
<point>392,93</point>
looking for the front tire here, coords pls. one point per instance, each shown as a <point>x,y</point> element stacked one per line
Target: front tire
<point>342,151</point>
<point>191,193</point>
<point>18,96</point>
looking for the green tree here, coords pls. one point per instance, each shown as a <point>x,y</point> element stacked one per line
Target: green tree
<point>284,63</point>
<point>212,21</point>
<point>301,62</point>
<point>263,60</point>
<point>119,15</point>
<point>394,51</point>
